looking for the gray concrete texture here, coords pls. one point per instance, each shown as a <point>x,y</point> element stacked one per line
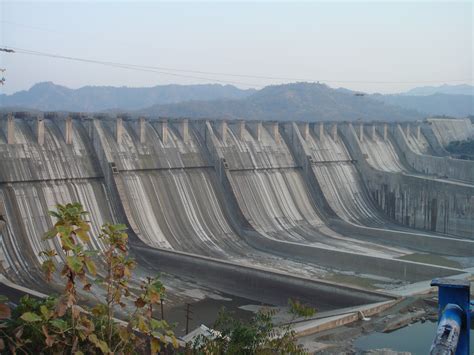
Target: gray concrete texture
<point>264,206</point>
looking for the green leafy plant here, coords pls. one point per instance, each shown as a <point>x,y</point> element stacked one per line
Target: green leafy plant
<point>59,325</point>
<point>258,336</point>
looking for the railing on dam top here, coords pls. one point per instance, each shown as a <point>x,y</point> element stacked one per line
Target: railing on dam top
<point>454,317</point>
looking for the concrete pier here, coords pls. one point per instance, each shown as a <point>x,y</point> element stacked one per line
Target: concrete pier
<point>11,129</point>
<point>407,130</point>
<point>68,134</point>
<point>241,129</point>
<point>385,131</point>
<point>334,131</point>
<point>274,131</point>
<point>184,129</point>
<point>119,130</point>
<point>142,129</point>
<point>418,132</point>
<point>361,132</point>
<point>256,128</point>
<point>374,134</point>
<point>305,130</point>
<point>40,129</point>
<point>222,129</point>
<point>321,130</point>
<point>163,130</point>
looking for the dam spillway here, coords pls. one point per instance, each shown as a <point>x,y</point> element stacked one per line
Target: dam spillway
<point>269,205</point>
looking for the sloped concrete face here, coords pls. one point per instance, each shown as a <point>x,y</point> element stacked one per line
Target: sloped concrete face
<point>426,201</point>
<point>448,130</point>
<point>272,206</point>
<point>37,172</point>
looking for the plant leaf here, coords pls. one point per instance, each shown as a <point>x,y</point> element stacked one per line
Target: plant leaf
<point>44,311</point>
<point>90,266</point>
<point>83,236</point>
<point>74,263</point>
<point>155,346</point>
<point>102,345</point>
<point>59,324</point>
<point>30,317</point>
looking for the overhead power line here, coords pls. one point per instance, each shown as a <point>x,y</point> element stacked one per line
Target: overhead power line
<point>181,72</point>
<point>120,65</point>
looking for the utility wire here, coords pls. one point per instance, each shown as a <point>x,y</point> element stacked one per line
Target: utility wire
<point>265,77</point>
<point>121,66</point>
<point>171,71</point>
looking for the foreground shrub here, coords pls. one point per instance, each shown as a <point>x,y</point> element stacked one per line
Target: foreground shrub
<point>259,336</point>
<point>58,325</point>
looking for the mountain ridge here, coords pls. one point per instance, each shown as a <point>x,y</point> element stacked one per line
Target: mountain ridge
<point>461,89</point>
<point>297,101</point>
<point>48,96</point>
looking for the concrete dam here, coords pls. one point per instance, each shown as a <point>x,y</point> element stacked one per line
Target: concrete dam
<point>262,210</point>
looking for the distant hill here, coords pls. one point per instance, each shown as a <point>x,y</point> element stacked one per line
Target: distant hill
<point>462,89</point>
<point>436,104</point>
<point>298,101</point>
<point>48,96</point>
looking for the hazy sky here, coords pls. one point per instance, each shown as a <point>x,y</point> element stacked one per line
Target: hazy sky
<point>404,43</point>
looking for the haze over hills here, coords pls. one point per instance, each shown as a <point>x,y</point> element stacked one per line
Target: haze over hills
<point>298,101</point>
<point>435,104</point>
<point>462,89</point>
<point>48,96</point>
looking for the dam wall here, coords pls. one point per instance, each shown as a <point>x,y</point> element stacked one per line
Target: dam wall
<point>416,201</point>
<point>39,169</point>
<point>269,240</point>
<point>435,147</point>
<point>27,193</point>
<point>442,167</point>
<point>248,200</point>
<point>340,223</point>
<point>24,159</point>
<point>448,130</point>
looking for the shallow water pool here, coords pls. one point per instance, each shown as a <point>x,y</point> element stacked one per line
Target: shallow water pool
<point>415,338</point>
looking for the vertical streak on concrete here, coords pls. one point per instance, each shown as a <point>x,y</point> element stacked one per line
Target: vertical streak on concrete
<point>373,132</point>
<point>334,132</point>
<point>305,130</point>
<point>418,132</point>
<point>89,123</point>
<point>184,130</point>
<point>275,133</point>
<point>141,129</point>
<point>164,131</point>
<point>385,131</point>
<point>259,131</point>
<point>407,132</point>
<point>11,129</point>
<point>361,132</point>
<point>223,130</point>
<point>241,129</point>
<point>119,129</point>
<point>68,130</point>
<point>321,130</point>
<point>40,129</point>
